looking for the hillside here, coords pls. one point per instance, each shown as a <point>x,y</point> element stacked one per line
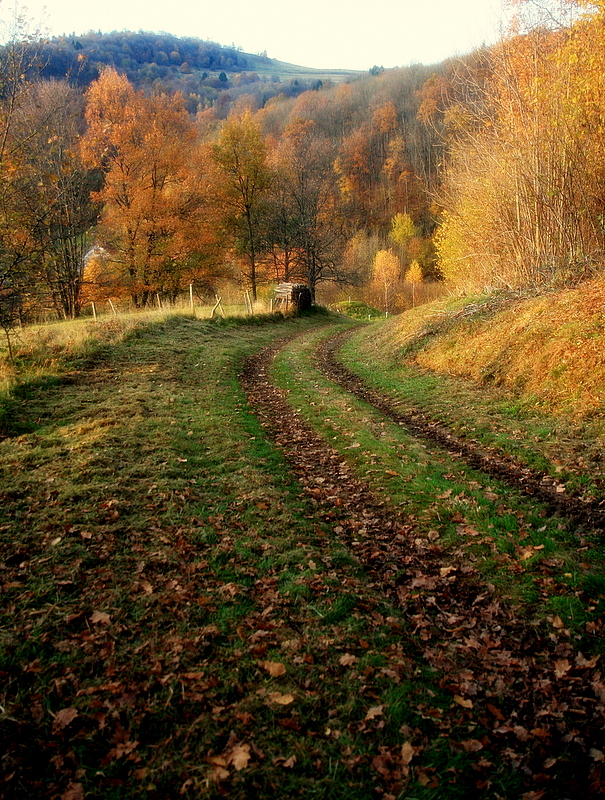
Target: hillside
<point>201,70</point>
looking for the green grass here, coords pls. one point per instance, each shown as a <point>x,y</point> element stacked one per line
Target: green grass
<point>535,560</point>
<point>155,555</point>
<point>159,559</point>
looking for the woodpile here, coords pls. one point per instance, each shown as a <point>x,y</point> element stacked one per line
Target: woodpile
<point>292,295</point>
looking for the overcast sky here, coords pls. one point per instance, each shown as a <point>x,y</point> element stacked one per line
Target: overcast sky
<point>349,34</point>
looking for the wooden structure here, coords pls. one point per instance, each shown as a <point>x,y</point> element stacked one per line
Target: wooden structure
<point>296,296</point>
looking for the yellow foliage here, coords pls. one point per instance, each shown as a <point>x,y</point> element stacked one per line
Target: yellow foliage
<point>414,273</point>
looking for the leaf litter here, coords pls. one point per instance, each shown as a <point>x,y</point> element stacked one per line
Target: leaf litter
<point>137,662</point>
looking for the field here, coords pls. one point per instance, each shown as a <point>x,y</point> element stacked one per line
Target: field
<point>226,573</point>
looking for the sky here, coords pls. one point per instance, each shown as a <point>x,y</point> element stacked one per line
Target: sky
<point>326,34</point>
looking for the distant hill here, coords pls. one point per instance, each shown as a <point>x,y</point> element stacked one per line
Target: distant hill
<point>202,70</point>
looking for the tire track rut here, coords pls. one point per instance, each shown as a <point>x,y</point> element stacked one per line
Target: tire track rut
<point>538,698</point>
<point>536,484</point>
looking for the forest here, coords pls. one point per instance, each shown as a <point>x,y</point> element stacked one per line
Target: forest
<point>119,182</point>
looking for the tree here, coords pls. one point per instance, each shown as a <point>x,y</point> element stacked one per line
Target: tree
<point>55,189</point>
<point>307,161</point>
<point>386,272</point>
<point>156,210</point>
<point>414,277</point>
<point>17,246</point>
<point>524,184</point>
<point>241,156</point>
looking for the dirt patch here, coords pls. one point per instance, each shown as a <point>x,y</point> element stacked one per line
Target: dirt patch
<point>536,701</point>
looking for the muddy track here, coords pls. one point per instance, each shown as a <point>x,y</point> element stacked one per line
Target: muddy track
<point>488,460</point>
<point>540,700</point>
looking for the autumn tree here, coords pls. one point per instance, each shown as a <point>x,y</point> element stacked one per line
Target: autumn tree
<point>386,272</point>
<point>156,205</point>
<point>414,277</point>
<point>17,282</point>
<point>523,190</point>
<point>54,189</point>
<point>241,157</point>
<point>307,161</point>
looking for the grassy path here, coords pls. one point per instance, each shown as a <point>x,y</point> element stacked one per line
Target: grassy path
<point>179,619</point>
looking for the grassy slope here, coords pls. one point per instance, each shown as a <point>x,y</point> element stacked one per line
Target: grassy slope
<point>526,375</point>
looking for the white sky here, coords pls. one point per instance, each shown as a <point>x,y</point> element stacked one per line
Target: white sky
<point>347,34</point>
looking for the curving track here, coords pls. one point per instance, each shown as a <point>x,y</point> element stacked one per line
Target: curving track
<point>542,702</point>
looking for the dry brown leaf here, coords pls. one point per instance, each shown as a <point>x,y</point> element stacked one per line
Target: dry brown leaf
<point>375,711</point>
<point>281,699</point>
<point>219,773</point>
<point>407,752</point>
<point>557,622</point>
<point>146,587</point>
<point>64,717</point>
<point>100,617</point>
<point>465,702</point>
<point>289,762</point>
<point>347,660</point>
<point>274,668</point>
<point>562,667</point>
<point>472,745</point>
<point>240,756</point>
<point>586,663</point>
<point>75,791</point>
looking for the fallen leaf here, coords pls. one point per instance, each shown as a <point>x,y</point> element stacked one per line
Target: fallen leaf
<point>471,745</point>
<point>558,623</point>
<point>463,701</point>
<point>347,660</point>
<point>562,667</point>
<point>239,757</point>
<point>586,663</point>
<point>289,762</point>
<point>274,668</point>
<point>64,717</point>
<point>495,711</point>
<point>219,773</point>
<point>75,791</point>
<point>146,587</point>
<point>407,752</point>
<point>596,755</point>
<point>100,617</point>
<point>281,699</point>
<point>375,711</point>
